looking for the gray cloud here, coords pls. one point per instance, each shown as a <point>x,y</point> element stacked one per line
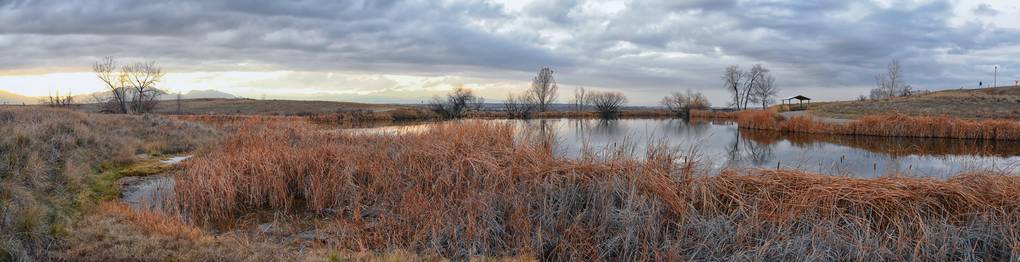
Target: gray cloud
<point>646,45</point>
<point>985,9</point>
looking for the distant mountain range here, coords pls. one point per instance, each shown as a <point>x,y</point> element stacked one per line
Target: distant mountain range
<point>196,94</point>
<point>12,98</point>
<point>16,99</point>
<point>193,94</point>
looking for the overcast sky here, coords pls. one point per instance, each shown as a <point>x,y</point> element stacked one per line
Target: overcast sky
<point>406,51</point>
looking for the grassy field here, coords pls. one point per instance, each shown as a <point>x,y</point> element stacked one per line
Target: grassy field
<point>987,103</point>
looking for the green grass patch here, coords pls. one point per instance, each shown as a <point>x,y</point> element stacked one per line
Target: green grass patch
<point>145,168</point>
<point>103,185</point>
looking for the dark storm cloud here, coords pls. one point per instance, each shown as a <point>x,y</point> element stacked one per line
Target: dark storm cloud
<point>644,44</point>
<point>310,35</point>
<point>834,42</point>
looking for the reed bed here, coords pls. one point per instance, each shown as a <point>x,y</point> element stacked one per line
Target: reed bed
<point>894,125</point>
<point>894,146</point>
<point>469,189</point>
<point>425,115</point>
<point>404,114</point>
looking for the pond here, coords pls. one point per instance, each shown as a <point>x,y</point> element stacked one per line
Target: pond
<point>720,145</point>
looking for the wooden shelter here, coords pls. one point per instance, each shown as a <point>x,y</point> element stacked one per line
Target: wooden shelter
<point>800,102</point>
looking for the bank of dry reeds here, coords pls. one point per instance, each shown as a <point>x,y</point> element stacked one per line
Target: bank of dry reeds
<point>424,115</point>
<point>893,146</point>
<point>886,125</point>
<point>471,188</point>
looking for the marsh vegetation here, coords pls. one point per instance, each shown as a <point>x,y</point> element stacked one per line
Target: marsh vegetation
<point>294,187</point>
<point>465,189</point>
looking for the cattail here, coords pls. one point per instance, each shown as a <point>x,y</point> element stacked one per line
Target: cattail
<point>467,189</point>
<point>887,125</point>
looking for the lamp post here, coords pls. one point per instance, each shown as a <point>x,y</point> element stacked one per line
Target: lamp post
<point>995,77</point>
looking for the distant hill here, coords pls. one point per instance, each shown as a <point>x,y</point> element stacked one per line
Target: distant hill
<point>244,106</point>
<point>12,98</point>
<point>193,94</point>
<point>985,103</point>
<point>199,94</point>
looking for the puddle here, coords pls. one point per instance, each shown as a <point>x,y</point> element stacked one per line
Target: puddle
<point>175,160</point>
<point>148,192</point>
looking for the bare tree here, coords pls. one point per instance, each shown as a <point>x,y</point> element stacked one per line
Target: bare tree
<point>543,89</point>
<point>106,70</point>
<point>765,90</point>
<point>476,104</point>
<point>752,79</point>
<point>681,104</point>
<point>518,106</point>
<point>132,89</point>
<point>580,99</point>
<point>891,83</point>
<point>607,104</point>
<point>59,101</point>
<point>142,78</point>
<point>732,79</point>
<point>457,103</point>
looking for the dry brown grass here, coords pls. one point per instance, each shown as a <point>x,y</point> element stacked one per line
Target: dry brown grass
<point>894,146</point>
<point>886,125</point>
<point>714,114</point>
<point>114,232</point>
<point>985,103</point>
<point>403,114</point>
<point>466,189</point>
<point>49,165</point>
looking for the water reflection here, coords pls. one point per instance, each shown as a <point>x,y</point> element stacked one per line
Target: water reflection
<point>724,145</point>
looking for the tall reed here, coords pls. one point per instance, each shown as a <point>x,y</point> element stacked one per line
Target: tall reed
<point>886,125</point>
<point>472,188</point>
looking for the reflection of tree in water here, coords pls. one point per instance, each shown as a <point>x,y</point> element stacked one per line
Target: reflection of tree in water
<point>687,128</point>
<point>743,150</point>
<point>892,146</point>
<point>608,127</point>
<point>760,154</point>
<point>581,127</point>
<point>542,133</point>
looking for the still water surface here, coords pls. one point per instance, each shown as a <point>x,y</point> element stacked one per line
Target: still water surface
<point>722,145</point>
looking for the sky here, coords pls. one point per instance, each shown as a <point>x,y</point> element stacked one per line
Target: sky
<point>408,51</point>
